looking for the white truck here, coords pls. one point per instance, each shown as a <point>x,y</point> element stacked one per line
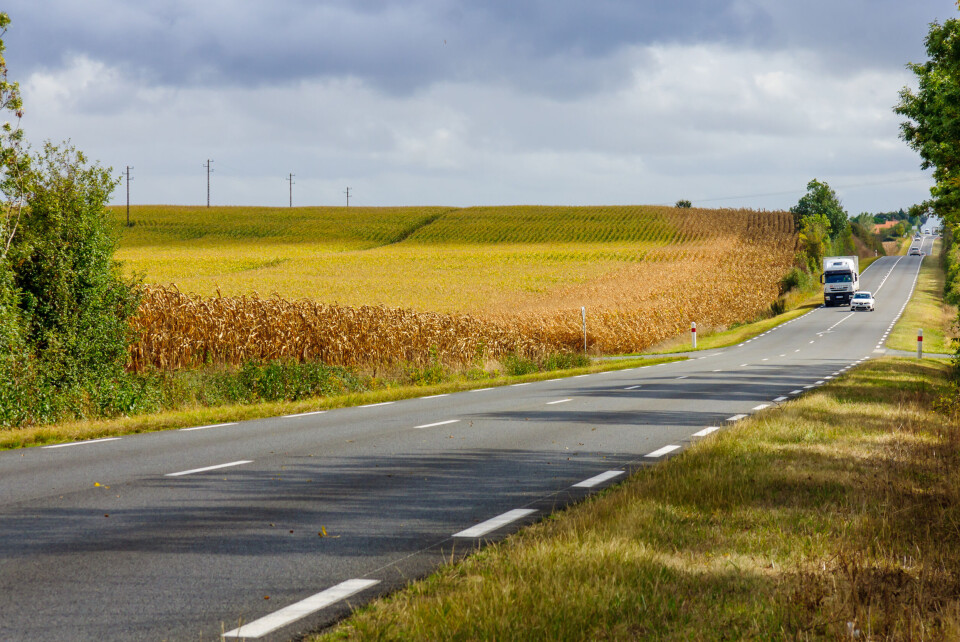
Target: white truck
<point>840,278</point>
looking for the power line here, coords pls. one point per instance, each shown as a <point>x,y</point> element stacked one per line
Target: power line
<point>207,165</point>
<point>799,191</point>
<point>348,196</point>
<point>128,193</point>
<point>290,180</point>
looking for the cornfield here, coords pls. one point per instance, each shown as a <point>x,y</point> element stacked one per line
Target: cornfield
<point>178,330</point>
<point>715,267</point>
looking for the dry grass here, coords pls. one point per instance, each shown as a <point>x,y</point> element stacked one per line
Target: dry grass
<point>835,517</point>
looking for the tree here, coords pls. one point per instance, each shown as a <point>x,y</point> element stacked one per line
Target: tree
<point>682,203</point>
<point>932,127</point>
<point>821,200</point>
<point>73,300</point>
<point>814,240</point>
<point>64,306</point>
<point>13,162</point>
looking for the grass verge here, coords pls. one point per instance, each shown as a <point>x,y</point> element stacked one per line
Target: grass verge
<point>927,310</point>
<point>836,516</point>
<point>199,415</point>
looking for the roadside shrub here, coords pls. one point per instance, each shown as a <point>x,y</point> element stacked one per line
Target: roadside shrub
<point>65,306</point>
<point>514,365</point>
<point>796,279</point>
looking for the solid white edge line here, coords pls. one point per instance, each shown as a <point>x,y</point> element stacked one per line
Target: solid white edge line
<point>439,423</point>
<point>494,523</point>
<point>596,480</point>
<point>205,469</point>
<point>550,403</point>
<point>301,609</point>
<point>233,423</point>
<point>660,452</point>
<point>83,443</point>
<point>706,431</point>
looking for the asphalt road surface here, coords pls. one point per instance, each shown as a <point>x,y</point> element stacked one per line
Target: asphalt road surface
<point>266,529</point>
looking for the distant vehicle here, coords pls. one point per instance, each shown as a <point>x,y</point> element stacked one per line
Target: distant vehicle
<point>840,278</point>
<point>915,251</point>
<point>862,300</point>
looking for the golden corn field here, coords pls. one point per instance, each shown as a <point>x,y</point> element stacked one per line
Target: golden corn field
<point>643,273</point>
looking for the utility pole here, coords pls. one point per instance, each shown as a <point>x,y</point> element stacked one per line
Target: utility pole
<point>128,194</point>
<point>348,196</point>
<point>290,180</point>
<point>207,165</point>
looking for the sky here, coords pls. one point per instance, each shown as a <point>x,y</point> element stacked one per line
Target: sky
<point>726,103</point>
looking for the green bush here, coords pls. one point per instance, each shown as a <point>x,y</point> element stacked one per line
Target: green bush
<point>65,308</point>
<point>796,279</point>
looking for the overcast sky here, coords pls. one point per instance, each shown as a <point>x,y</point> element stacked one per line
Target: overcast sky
<point>728,103</point>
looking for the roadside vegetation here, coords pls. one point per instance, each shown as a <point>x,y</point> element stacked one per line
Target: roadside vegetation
<point>927,311</point>
<point>833,516</point>
<point>180,399</point>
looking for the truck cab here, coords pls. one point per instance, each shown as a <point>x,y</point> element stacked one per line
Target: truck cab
<point>840,278</point>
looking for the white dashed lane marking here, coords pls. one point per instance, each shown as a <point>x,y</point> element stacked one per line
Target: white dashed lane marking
<point>494,523</point>
<point>551,403</point>
<point>439,423</point>
<point>596,480</point>
<point>301,609</point>
<point>660,452</point>
<point>706,431</point>
<point>83,443</point>
<point>206,468</point>
<point>210,426</point>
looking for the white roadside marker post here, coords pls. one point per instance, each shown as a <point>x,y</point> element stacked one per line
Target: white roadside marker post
<point>920,343</point>
<point>693,333</point>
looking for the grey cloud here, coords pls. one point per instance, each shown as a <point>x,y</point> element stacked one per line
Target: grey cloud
<point>399,47</point>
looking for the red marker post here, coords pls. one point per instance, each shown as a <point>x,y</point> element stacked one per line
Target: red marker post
<point>920,344</point>
<point>693,333</point>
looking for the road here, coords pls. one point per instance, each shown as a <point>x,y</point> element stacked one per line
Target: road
<point>265,529</point>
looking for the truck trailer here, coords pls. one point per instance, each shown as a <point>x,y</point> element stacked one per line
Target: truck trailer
<point>840,278</point>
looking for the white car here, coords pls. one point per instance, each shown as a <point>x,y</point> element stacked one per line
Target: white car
<point>861,300</point>
<point>915,251</point>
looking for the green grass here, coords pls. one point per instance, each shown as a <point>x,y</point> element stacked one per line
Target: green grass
<point>836,513</point>
<point>928,312</point>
